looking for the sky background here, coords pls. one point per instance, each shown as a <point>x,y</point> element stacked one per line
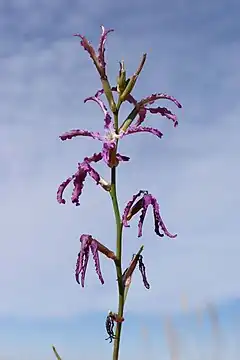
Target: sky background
<point>193,54</point>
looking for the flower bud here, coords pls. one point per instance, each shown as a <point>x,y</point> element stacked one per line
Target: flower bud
<point>133,80</point>
<point>121,80</point>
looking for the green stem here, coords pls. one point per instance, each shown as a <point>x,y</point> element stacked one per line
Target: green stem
<point>118,263</point>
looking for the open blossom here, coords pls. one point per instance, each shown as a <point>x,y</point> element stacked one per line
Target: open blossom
<point>110,138</point>
<point>87,244</point>
<point>146,199</point>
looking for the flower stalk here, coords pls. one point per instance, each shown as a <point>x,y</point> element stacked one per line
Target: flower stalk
<point>118,261</point>
<point>140,202</point>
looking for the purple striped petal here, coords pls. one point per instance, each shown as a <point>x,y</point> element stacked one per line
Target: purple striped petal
<point>137,129</point>
<point>78,183</point>
<point>94,158</point>
<point>142,270</point>
<point>86,45</point>
<point>141,115</point>
<point>164,112</point>
<point>61,189</point>
<point>101,49</point>
<point>151,99</point>
<point>78,178</point>
<point>77,132</point>
<point>92,172</point>
<point>122,157</point>
<point>146,202</point>
<point>94,249</point>
<point>158,220</point>
<point>82,259</point>
<point>107,117</point>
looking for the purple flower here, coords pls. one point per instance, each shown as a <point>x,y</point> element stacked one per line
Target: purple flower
<point>78,179</point>
<point>110,138</point>
<point>87,243</point>
<point>147,199</point>
<point>99,58</point>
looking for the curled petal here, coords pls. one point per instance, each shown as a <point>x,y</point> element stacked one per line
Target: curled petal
<point>164,112</point>
<point>61,189</point>
<point>87,46</point>
<point>78,182</point>
<point>99,93</point>
<point>79,177</point>
<point>159,221</point>
<point>107,117</point>
<point>145,204</point>
<point>101,49</point>
<point>82,259</point>
<point>122,157</point>
<point>92,172</point>
<point>136,129</point>
<point>143,272</point>
<point>94,249</point>
<point>95,158</point>
<point>128,207</point>
<point>141,115</point>
<point>77,132</point>
<point>151,99</point>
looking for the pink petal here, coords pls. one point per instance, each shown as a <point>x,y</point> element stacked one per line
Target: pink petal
<point>107,117</point>
<point>141,115</point>
<point>77,132</point>
<point>164,112</point>
<point>83,257</point>
<point>137,129</point>
<point>159,221</point>
<point>146,203</point>
<point>92,172</point>
<point>94,158</point>
<point>94,249</point>
<point>78,182</point>
<point>151,99</point>
<point>122,157</point>
<point>86,45</point>
<point>101,49</point>
<point>61,189</point>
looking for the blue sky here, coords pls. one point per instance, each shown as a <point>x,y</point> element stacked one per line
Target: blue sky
<point>193,54</point>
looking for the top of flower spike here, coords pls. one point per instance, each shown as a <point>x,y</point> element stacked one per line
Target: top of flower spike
<point>99,58</point>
